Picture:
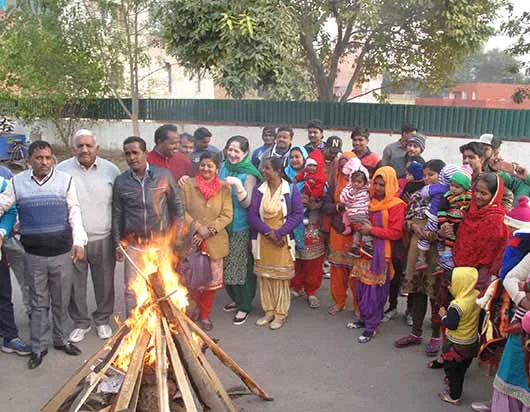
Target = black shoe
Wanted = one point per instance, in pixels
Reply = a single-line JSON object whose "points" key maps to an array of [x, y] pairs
{"points": [[35, 359], [69, 349]]}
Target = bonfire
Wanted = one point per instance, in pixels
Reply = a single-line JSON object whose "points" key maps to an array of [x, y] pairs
{"points": [[155, 360]]}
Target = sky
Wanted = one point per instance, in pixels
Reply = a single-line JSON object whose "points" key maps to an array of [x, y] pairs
{"points": [[503, 42]]}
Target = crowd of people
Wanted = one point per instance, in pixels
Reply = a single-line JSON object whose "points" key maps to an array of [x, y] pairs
{"points": [[283, 217]]}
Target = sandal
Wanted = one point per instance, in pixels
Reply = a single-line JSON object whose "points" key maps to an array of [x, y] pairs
{"points": [[435, 364], [297, 293], [444, 396], [334, 310], [433, 347], [313, 302]]}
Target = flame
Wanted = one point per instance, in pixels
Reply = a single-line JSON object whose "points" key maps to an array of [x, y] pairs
{"points": [[158, 256]]}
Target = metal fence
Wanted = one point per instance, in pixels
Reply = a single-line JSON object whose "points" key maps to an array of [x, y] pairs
{"points": [[450, 121]]}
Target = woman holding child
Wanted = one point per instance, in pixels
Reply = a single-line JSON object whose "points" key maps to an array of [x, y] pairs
{"points": [[373, 275]]}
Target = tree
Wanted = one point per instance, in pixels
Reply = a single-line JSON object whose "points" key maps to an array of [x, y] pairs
{"points": [[277, 43], [45, 70], [518, 28], [493, 66], [118, 34]]}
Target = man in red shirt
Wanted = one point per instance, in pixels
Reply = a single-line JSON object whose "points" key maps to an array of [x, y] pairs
{"points": [[166, 152]]}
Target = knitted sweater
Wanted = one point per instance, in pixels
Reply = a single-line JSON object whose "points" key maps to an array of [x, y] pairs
{"points": [[356, 201]]}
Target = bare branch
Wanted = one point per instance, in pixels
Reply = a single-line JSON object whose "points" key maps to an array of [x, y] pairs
{"points": [[355, 75]]}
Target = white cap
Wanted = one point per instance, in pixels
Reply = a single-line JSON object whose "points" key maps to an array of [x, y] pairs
{"points": [[486, 138], [311, 162]]}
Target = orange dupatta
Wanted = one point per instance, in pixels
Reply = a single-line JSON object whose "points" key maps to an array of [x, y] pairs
{"points": [[390, 200]]}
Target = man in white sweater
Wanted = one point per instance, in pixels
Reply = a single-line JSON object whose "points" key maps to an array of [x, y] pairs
{"points": [[94, 178]]}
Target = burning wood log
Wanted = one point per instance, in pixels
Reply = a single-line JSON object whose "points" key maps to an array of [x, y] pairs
{"points": [[227, 360], [180, 375], [132, 367], [136, 363]]}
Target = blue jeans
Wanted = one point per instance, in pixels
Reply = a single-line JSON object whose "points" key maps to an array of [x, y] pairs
{"points": [[8, 329]]}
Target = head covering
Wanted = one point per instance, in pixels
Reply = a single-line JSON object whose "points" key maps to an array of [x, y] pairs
{"points": [[416, 170], [317, 188], [289, 171], [354, 165], [486, 138], [519, 216], [436, 165], [481, 234], [340, 179], [391, 190], [463, 178], [310, 162], [447, 173], [245, 166], [334, 142], [419, 139]]}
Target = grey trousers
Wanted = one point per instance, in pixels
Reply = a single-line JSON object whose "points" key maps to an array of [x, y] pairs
{"points": [[15, 257], [99, 257], [130, 273], [49, 280]]}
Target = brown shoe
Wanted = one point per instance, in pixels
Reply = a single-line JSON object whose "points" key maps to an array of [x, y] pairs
{"points": [[409, 340]]}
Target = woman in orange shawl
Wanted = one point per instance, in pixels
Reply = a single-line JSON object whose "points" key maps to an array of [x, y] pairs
{"points": [[373, 275], [339, 245]]}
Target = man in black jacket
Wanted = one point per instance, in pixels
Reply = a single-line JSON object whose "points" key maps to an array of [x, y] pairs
{"points": [[146, 203]]}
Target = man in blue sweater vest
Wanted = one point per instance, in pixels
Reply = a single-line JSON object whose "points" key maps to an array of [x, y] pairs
{"points": [[53, 237]]}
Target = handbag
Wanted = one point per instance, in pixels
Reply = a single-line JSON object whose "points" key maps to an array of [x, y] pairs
{"points": [[195, 270]]}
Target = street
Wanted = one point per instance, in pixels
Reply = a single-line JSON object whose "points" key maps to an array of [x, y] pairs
{"points": [[313, 363]]}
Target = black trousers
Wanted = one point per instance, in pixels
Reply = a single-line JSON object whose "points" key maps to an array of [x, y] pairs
{"points": [[455, 372]]}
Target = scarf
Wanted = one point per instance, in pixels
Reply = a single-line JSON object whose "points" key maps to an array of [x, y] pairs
{"points": [[245, 166], [289, 171], [272, 202], [208, 189], [482, 234], [380, 208], [340, 179]]}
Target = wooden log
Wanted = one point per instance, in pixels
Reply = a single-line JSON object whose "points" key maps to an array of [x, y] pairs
{"points": [[201, 381], [226, 359], [180, 375], [205, 364], [136, 392], [62, 394], [136, 363], [161, 369]]}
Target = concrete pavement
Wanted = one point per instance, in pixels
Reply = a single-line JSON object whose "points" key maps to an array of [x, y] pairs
{"points": [[313, 363]]}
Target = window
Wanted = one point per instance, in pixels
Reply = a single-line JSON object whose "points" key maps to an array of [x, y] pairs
{"points": [[451, 95], [473, 95], [464, 95]]}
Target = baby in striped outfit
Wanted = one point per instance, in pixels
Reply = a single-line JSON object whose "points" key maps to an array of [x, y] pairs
{"points": [[356, 199]]}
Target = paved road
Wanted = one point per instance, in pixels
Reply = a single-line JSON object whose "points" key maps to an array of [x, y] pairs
{"points": [[312, 364]]}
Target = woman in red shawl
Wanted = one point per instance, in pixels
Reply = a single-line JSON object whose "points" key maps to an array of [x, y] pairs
{"points": [[339, 245], [482, 236]]}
